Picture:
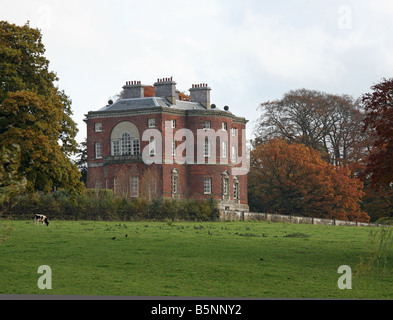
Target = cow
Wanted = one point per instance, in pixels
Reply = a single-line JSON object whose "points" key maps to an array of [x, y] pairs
{"points": [[40, 218]]}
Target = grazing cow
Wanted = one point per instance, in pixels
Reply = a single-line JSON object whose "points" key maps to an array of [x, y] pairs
{"points": [[40, 218]]}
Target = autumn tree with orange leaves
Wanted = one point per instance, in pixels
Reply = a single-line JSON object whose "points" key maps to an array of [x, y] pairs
{"points": [[292, 179]]}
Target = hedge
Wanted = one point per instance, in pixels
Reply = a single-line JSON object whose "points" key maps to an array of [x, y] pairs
{"points": [[102, 205]]}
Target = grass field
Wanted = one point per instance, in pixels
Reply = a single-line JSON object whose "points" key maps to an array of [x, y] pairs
{"points": [[184, 259]]}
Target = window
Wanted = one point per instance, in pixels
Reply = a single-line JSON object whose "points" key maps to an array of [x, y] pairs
{"points": [[233, 131], [225, 186], [116, 148], [126, 146], [224, 126], [115, 186], [134, 186], [234, 154], [206, 149], [173, 147], [98, 147], [173, 124], [98, 127], [207, 186], [135, 147], [206, 125], [175, 185], [236, 194], [224, 151], [151, 123], [152, 146]]}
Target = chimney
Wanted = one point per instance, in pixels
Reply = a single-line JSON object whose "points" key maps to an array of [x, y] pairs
{"points": [[166, 88], [201, 93], [133, 89]]}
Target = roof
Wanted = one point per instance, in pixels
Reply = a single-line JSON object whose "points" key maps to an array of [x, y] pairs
{"points": [[150, 102]]}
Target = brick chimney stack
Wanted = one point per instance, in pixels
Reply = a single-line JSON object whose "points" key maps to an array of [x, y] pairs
{"points": [[133, 89], [201, 93], [166, 88]]}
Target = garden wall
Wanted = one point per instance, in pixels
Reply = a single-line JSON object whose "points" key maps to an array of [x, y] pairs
{"points": [[248, 216]]}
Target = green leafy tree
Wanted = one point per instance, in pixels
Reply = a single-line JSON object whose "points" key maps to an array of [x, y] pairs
{"points": [[35, 115], [10, 182]]}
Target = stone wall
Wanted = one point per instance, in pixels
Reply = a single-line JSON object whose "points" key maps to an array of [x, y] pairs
{"points": [[253, 216]]}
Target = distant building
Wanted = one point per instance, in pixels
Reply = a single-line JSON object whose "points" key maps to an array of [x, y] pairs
{"points": [[167, 144]]}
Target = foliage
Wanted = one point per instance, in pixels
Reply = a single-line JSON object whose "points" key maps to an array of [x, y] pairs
{"points": [[328, 123], [379, 119], [102, 205], [81, 161], [377, 252], [378, 203], [10, 181], [293, 179], [34, 114]]}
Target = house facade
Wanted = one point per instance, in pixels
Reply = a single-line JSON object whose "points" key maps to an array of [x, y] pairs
{"points": [[162, 144]]}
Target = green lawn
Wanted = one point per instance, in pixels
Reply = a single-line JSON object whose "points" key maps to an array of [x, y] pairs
{"points": [[183, 259]]}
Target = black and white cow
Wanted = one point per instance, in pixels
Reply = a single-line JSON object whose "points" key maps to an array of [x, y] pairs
{"points": [[40, 218]]}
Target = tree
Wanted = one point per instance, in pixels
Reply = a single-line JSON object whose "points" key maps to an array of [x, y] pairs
{"points": [[379, 119], [293, 179], [150, 183], [328, 123], [10, 182], [81, 161], [34, 114]]}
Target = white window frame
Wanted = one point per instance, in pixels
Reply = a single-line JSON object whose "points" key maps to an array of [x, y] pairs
{"points": [[116, 148], [173, 147], [134, 187], [173, 124], [234, 153], [151, 123], [206, 148], [98, 150], [175, 185], [224, 149], [225, 186], [126, 144], [224, 126], [136, 147], [98, 127], [152, 146], [233, 132], [236, 195], [207, 186], [206, 125]]}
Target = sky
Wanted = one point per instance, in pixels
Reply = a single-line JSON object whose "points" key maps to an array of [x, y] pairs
{"points": [[247, 51]]}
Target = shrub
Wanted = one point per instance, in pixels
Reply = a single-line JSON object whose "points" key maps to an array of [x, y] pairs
{"points": [[102, 205]]}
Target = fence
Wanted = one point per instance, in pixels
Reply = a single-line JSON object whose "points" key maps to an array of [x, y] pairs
{"points": [[249, 216]]}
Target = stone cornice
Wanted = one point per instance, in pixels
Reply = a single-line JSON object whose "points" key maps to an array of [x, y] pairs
{"points": [[158, 110]]}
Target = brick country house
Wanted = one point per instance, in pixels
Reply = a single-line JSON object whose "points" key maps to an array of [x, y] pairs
{"points": [[157, 142]]}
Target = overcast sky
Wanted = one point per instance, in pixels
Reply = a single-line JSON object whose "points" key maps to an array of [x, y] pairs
{"points": [[247, 51]]}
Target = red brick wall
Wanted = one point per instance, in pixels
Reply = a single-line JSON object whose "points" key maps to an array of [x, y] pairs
{"points": [[196, 173]]}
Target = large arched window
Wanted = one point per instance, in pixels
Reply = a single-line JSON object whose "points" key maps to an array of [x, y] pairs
{"points": [[125, 139]]}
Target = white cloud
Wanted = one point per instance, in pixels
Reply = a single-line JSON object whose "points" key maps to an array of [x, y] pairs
{"points": [[246, 50]]}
